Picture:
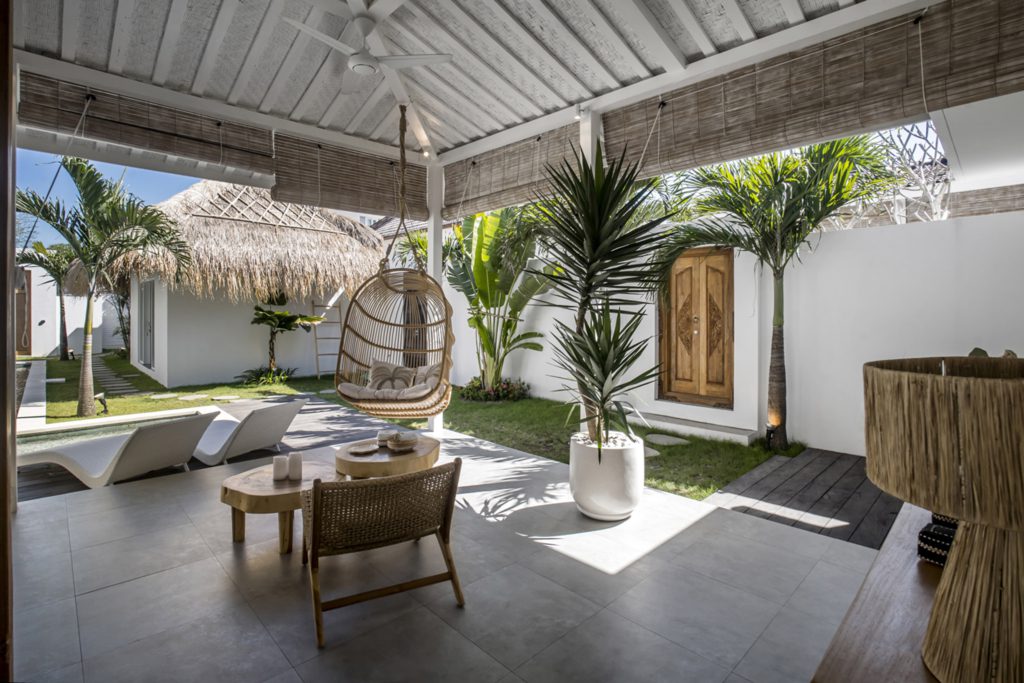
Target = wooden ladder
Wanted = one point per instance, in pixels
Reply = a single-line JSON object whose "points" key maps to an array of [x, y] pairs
{"points": [[328, 331]]}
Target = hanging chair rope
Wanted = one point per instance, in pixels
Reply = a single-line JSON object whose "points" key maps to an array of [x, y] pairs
{"points": [[395, 355]]}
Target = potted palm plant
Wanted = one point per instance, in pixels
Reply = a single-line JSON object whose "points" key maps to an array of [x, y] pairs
{"points": [[602, 231]]}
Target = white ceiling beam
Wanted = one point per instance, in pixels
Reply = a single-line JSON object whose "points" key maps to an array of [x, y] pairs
{"points": [[99, 150], [527, 42], [169, 41], [693, 26], [552, 20], [613, 38], [213, 43], [662, 45], [292, 58], [120, 36], [455, 119], [101, 80], [336, 7], [382, 9], [739, 21], [794, 13], [386, 125], [70, 16], [465, 104], [809, 33], [408, 35], [257, 48], [369, 104], [509, 57], [501, 84]]}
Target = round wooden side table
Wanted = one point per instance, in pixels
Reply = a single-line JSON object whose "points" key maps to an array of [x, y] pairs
{"points": [[256, 492], [385, 463]]}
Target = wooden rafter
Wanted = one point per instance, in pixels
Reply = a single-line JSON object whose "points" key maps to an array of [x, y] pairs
{"points": [[794, 13], [739, 21], [286, 72], [554, 21], [169, 41], [662, 46], [120, 36], [271, 19], [70, 15], [213, 44], [594, 14], [693, 26], [369, 104]]}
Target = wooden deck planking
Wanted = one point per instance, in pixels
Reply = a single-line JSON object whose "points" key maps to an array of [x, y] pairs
{"points": [[820, 491]]}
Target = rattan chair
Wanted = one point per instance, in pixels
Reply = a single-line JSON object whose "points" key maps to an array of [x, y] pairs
{"points": [[352, 516], [399, 316]]}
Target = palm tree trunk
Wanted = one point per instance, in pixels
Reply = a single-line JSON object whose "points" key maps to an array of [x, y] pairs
{"points": [[273, 358], [777, 375], [63, 326], [86, 401]]}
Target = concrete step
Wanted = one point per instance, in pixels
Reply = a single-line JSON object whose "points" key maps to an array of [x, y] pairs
{"points": [[706, 430]]}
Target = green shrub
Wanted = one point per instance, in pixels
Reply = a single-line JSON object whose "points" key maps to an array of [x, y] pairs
{"points": [[505, 390], [264, 376]]}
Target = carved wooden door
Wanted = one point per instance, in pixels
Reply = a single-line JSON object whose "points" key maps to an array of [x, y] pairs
{"points": [[696, 333]]}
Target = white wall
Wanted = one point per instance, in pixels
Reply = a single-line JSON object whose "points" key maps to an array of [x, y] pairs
{"points": [[45, 318], [159, 371], [111, 330], [201, 341], [867, 294], [897, 291]]}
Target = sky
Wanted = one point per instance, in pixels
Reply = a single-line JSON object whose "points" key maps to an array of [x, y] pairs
{"points": [[35, 170]]}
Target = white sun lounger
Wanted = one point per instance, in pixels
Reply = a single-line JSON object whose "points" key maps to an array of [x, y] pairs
{"points": [[229, 437], [110, 459]]}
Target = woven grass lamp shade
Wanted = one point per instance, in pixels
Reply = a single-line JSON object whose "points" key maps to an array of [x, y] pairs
{"points": [[947, 434], [399, 316]]}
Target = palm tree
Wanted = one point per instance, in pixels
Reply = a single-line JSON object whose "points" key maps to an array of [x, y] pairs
{"points": [[279, 322], [55, 261], [104, 226], [768, 206], [600, 240]]}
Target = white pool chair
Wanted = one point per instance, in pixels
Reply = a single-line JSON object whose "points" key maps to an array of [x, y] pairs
{"points": [[110, 459], [229, 437]]}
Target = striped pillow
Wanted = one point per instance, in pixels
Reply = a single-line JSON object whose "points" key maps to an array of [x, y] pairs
{"points": [[388, 376]]}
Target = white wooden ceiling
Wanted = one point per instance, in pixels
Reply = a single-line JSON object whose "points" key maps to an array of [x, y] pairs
{"points": [[515, 61]]}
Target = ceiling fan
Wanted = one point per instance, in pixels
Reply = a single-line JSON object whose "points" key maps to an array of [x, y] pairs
{"points": [[361, 63]]}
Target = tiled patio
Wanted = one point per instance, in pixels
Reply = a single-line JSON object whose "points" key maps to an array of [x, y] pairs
{"points": [[140, 581]]}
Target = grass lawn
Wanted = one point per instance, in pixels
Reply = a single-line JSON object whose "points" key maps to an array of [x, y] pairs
{"points": [[535, 425], [62, 398]]}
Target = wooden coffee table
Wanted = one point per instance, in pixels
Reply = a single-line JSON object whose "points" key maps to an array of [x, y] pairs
{"points": [[256, 492], [384, 463]]}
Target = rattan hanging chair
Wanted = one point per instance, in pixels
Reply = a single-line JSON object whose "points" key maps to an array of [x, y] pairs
{"points": [[395, 355]]}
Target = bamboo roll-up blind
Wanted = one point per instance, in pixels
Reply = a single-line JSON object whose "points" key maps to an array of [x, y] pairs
{"points": [[56, 105], [506, 176], [310, 173], [863, 81]]}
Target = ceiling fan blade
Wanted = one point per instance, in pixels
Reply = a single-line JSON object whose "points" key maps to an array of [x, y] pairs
{"points": [[322, 37], [406, 61]]}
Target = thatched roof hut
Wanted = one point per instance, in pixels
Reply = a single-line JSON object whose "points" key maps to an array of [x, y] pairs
{"points": [[245, 246]]}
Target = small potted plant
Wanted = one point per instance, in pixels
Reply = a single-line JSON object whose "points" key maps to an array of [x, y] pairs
{"points": [[602, 235]]}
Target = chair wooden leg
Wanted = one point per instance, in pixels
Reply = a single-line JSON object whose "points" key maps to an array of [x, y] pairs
{"points": [[318, 613], [285, 521], [446, 550], [305, 551]]}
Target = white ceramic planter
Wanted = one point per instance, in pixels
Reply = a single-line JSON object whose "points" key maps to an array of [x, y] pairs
{"points": [[609, 490]]}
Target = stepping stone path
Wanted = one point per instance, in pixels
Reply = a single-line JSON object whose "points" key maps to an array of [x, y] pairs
{"points": [[665, 440], [112, 383], [157, 397], [650, 452], [225, 398], [326, 391], [193, 397]]}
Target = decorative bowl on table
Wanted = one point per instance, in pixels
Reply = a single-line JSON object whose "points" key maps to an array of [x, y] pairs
{"points": [[366, 447], [403, 441]]}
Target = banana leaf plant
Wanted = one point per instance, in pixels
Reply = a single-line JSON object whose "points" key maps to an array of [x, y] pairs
{"points": [[488, 264]]}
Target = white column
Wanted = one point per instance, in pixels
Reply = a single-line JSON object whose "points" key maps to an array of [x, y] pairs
{"points": [[435, 239], [591, 132]]}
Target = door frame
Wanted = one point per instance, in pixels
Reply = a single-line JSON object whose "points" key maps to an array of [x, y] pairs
{"points": [[664, 355], [147, 317]]}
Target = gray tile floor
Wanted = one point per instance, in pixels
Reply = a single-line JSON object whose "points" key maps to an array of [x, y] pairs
{"points": [[140, 581]]}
